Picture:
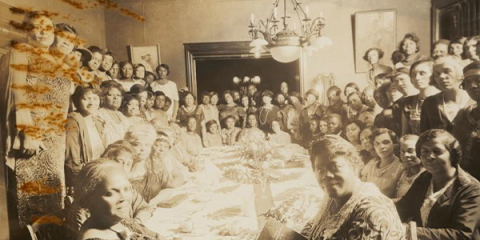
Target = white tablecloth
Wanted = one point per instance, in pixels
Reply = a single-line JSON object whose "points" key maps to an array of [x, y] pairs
{"points": [[217, 205]]}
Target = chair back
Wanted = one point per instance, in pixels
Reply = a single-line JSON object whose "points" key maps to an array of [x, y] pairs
{"points": [[49, 227]]}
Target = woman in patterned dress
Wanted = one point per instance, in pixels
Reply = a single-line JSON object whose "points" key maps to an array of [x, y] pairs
{"points": [[116, 124], [37, 99], [352, 209]]}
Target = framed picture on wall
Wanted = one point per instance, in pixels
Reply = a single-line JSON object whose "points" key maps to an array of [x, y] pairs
{"points": [[146, 54], [375, 29]]}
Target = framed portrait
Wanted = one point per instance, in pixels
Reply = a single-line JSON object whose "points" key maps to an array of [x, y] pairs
{"points": [[374, 29], [146, 54]]}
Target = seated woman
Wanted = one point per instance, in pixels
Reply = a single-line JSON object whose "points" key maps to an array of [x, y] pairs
{"points": [[352, 132], [103, 188], [142, 93], [386, 170], [211, 137], [116, 124], [355, 106], [205, 111], [411, 163], [368, 152], [147, 178], [352, 209], [193, 142], [444, 201], [278, 135], [157, 109], [314, 134], [131, 109], [251, 130], [85, 139], [230, 132], [123, 153], [385, 99]]}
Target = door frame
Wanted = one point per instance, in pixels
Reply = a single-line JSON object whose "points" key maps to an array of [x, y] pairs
{"points": [[224, 50]]}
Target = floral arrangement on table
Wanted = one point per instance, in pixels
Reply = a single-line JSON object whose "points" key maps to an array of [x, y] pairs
{"points": [[258, 157]]}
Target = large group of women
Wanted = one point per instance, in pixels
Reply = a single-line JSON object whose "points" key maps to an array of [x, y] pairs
{"points": [[108, 140]]}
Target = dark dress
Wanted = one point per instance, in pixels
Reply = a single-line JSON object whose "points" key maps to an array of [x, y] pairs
{"points": [[410, 113], [433, 115], [138, 231], [467, 131], [266, 116], [456, 213]]}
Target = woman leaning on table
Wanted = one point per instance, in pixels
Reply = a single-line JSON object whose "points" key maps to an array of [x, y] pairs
{"points": [[352, 209], [444, 201], [103, 188]]}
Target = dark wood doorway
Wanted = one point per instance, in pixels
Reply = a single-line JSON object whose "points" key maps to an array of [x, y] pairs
{"points": [[212, 66]]}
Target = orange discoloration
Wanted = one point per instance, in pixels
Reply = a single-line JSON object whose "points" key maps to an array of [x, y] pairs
{"points": [[39, 187], [48, 220], [108, 4]]}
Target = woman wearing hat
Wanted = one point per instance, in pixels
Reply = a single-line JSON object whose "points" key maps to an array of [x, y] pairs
{"points": [[268, 112], [467, 124]]}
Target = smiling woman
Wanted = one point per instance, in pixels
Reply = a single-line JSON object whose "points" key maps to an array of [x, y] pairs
{"points": [[352, 208]]}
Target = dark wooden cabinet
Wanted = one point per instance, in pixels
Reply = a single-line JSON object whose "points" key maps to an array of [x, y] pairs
{"points": [[455, 18]]}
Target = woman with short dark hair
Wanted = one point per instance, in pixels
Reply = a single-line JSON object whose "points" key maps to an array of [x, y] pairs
{"points": [[126, 75], [267, 112], [373, 56], [116, 124], [168, 87], [85, 132], [410, 45], [444, 201], [230, 108]]}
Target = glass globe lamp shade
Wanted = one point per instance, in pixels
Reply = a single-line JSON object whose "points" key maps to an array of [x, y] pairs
{"points": [[322, 42], [259, 42], [286, 54]]}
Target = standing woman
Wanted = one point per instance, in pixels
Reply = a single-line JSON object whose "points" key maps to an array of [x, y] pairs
{"points": [[187, 110], [116, 124], [444, 201], [34, 146], [268, 112], [168, 87], [373, 56], [126, 75], [230, 108], [420, 75], [409, 46], [467, 123], [313, 108], [439, 110]]}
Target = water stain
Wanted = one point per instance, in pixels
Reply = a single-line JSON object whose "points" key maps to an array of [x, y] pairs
{"points": [[48, 220], [39, 187]]}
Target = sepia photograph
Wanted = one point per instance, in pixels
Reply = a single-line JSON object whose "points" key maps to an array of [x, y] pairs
{"points": [[239, 119]]}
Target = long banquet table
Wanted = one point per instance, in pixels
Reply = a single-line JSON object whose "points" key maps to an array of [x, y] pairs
{"points": [[219, 208]]}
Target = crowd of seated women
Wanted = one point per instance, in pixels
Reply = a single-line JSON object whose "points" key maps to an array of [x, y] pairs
{"points": [[405, 149]]}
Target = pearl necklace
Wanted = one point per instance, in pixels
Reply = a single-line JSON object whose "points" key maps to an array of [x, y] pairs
{"points": [[260, 115]]}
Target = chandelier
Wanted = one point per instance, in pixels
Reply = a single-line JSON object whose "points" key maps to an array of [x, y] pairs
{"points": [[287, 45]]}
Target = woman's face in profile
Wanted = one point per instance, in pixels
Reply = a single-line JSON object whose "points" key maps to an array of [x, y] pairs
{"points": [[112, 199], [335, 175], [41, 33]]}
